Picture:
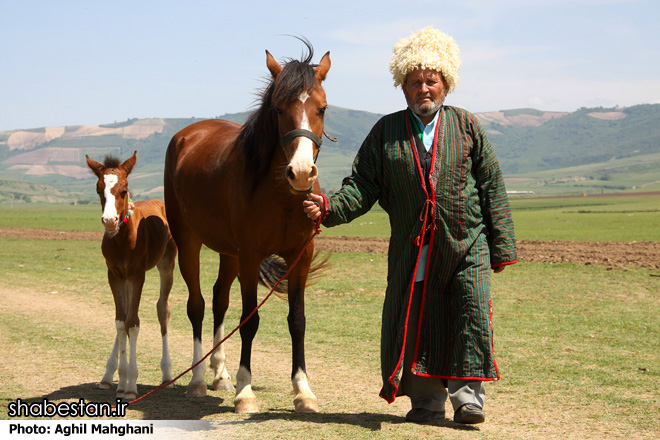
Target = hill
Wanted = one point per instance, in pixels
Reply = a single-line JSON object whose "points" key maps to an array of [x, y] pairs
{"points": [[590, 150]]}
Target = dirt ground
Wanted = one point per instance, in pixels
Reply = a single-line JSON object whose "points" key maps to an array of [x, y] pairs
{"points": [[611, 254]]}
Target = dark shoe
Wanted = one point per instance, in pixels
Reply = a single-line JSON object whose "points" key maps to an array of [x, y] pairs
{"points": [[469, 414], [423, 415]]}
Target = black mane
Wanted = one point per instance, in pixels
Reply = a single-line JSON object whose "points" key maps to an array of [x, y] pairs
{"points": [[110, 161], [259, 136]]}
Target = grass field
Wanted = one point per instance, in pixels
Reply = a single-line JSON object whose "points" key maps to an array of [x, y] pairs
{"points": [[629, 218], [577, 346]]}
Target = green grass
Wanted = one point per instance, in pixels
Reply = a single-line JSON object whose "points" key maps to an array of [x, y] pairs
{"points": [[587, 218], [630, 218], [576, 346], [52, 216]]}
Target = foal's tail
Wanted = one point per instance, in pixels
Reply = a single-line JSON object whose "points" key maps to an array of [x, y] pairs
{"points": [[274, 268]]}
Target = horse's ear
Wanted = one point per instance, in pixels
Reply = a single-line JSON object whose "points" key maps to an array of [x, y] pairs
{"points": [[129, 164], [273, 65], [323, 67], [96, 167]]}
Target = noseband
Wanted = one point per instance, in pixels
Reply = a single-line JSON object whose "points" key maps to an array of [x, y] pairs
{"points": [[301, 132]]}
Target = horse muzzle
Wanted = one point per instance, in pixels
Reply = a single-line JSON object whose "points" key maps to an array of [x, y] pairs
{"points": [[111, 225]]}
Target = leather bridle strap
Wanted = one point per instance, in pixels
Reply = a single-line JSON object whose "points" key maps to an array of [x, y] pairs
{"points": [[298, 133]]}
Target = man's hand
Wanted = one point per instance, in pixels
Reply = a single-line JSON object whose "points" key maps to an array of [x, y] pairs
{"points": [[498, 269], [314, 206]]}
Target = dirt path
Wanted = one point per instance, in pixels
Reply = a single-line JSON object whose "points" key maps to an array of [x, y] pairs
{"points": [[611, 254]]}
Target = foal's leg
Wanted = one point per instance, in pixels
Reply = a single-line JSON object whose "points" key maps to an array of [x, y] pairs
{"points": [[189, 249], [166, 271], [245, 400], [226, 274], [111, 365], [118, 288], [133, 330], [304, 400]]}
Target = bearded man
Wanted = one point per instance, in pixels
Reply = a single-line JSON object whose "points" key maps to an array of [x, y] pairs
{"points": [[433, 170]]}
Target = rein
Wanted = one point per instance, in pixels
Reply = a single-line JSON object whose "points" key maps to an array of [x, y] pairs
{"points": [[317, 231]]}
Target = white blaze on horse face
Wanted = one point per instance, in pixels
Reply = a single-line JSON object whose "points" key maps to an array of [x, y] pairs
{"points": [[302, 161], [110, 217]]}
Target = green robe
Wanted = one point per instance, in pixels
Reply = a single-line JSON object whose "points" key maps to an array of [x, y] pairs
{"points": [[471, 230]]}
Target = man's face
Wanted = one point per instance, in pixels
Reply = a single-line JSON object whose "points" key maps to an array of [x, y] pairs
{"points": [[425, 91]]}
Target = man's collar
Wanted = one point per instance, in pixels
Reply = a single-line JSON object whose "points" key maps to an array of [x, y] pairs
{"points": [[419, 120]]}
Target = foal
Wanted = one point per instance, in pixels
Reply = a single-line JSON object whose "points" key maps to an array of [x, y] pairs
{"points": [[137, 238]]}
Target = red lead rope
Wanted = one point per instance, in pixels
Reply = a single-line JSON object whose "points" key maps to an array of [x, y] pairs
{"points": [[317, 231]]}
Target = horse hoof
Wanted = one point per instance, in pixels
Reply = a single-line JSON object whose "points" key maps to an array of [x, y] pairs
{"points": [[223, 384], [306, 405], [246, 406], [130, 396], [196, 389], [105, 386]]}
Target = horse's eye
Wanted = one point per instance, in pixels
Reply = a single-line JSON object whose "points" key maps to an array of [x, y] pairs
{"points": [[322, 111], [123, 193], [278, 111]]}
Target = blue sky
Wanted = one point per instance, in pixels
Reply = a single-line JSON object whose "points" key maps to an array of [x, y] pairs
{"points": [[93, 62]]}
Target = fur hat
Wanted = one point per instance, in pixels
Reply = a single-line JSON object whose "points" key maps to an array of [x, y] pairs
{"points": [[427, 48]]}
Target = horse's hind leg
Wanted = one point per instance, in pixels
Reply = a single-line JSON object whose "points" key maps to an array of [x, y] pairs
{"points": [[166, 271], [189, 248], [226, 275]]}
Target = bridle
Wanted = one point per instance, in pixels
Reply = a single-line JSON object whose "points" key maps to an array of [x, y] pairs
{"points": [[301, 132]]}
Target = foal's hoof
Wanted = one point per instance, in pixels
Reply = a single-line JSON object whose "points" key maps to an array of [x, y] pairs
{"points": [[223, 384], [105, 386], [307, 405], [129, 396], [246, 406], [197, 389]]}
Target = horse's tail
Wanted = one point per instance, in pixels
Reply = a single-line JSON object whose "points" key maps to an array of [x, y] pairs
{"points": [[274, 268]]}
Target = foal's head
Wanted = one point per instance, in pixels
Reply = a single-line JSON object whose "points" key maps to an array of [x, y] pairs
{"points": [[112, 188], [299, 101]]}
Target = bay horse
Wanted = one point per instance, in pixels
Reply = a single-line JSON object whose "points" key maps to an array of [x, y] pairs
{"points": [[239, 191], [136, 239]]}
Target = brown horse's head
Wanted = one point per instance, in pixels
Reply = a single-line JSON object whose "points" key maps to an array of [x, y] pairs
{"points": [[112, 188], [299, 101]]}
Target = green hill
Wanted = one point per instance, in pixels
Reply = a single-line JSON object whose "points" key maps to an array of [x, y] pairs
{"points": [[590, 150], [579, 138], [16, 192]]}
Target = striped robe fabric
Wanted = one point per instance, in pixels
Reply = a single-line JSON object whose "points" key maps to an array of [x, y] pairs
{"points": [[471, 230]]}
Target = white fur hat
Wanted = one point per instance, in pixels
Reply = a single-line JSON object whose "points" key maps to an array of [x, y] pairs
{"points": [[427, 48]]}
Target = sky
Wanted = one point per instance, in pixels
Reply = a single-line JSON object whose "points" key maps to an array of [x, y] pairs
{"points": [[98, 62]]}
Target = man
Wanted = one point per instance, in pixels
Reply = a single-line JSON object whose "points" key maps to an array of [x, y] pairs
{"points": [[435, 173]]}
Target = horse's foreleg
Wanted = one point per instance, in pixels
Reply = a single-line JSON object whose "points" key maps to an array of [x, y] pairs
{"points": [[122, 386], [166, 271], [111, 366], [189, 266], [304, 400], [245, 400], [118, 288], [226, 275], [134, 287]]}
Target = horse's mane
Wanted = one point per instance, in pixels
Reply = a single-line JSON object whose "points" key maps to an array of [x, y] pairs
{"points": [[259, 136], [110, 161]]}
